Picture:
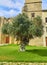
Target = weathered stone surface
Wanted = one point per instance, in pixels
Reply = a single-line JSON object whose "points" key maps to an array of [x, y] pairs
{"points": [[21, 63]]}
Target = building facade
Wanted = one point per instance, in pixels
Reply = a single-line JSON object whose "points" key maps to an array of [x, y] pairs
{"points": [[5, 38], [32, 8]]}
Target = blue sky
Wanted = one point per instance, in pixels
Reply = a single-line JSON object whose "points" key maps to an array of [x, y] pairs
{"points": [[44, 4], [10, 8]]}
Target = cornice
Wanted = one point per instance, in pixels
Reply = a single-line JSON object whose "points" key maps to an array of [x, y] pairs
{"points": [[34, 2], [34, 11]]}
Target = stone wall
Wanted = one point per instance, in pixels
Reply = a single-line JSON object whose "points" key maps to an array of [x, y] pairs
{"points": [[36, 42], [21, 63], [33, 6]]}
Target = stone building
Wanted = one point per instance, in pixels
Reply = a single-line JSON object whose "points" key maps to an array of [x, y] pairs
{"points": [[32, 8], [5, 38]]}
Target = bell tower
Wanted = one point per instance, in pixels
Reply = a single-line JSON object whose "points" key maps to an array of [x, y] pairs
{"points": [[33, 8]]}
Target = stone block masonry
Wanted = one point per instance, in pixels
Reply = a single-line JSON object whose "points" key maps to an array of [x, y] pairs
{"points": [[21, 63]]}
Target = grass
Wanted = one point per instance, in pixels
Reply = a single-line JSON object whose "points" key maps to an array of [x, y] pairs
{"points": [[32, 54]]}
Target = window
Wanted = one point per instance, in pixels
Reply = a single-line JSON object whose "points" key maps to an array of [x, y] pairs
{"points": [[33, 14], [46, 29], [46, 20]]}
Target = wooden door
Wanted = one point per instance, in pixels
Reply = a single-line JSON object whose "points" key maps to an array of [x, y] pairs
{"points": [[7, 39], [46, 41]]}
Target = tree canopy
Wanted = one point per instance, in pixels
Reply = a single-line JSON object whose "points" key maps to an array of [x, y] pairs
{"points": [[23, 28]]}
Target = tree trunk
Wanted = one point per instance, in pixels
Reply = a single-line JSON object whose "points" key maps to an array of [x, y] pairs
{"points": [[22, 47]]}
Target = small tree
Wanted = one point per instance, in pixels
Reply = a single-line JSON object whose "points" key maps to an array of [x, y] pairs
{"points": [[20, 30], [25, 29]]}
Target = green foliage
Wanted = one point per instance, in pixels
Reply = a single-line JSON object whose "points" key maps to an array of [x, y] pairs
{"points": [[23, 28], [6, 28], [37, 28], [38, 25]]}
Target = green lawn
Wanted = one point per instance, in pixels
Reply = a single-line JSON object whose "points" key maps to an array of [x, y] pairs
{"points": [[32, 54]]}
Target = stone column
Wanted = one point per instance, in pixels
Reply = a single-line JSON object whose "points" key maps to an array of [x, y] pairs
{"points": [[1, 35], [11, 40]]}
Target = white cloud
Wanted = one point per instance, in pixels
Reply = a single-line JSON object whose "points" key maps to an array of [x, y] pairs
{"points": [[9, 13], [12, 4], [7, 3]]}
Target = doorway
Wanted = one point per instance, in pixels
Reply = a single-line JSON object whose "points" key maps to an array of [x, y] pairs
{"points": [[7, 39]]}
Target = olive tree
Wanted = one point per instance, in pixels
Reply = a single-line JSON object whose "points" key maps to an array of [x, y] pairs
{"points": [[24, 29]]}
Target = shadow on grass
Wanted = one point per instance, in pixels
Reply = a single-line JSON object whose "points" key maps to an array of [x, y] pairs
{"points": [[41, 52]]}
